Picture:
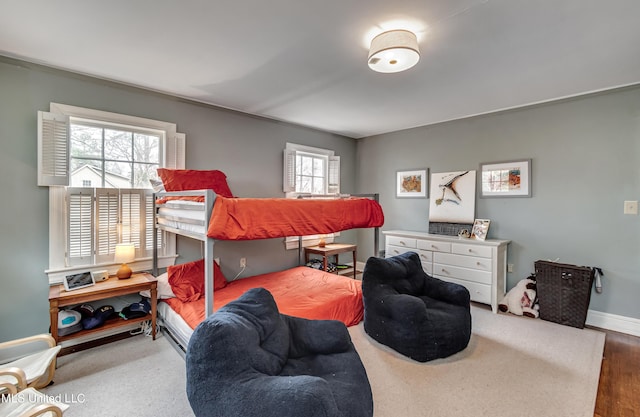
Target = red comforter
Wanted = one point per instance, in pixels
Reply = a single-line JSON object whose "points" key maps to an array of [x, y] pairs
{"points": [[300, 291], [263, 218]]}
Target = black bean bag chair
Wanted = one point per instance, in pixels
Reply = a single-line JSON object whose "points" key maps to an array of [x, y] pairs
{"points": [[248, 360], [420, 316]]}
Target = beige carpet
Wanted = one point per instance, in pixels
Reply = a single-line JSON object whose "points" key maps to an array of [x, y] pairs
{"points": [[513, 367]]}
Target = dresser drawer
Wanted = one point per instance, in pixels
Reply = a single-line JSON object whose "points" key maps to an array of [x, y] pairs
{"points": [[434, 245], [405, 242], [392, 250], [471, 262], [466, 274], [473, 250], [480, 293], [425, 255]]}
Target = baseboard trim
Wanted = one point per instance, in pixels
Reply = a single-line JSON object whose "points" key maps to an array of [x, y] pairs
{"points": [[621, 324]]}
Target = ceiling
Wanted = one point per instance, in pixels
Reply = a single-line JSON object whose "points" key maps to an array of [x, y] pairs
{"points": [[305, 62]]}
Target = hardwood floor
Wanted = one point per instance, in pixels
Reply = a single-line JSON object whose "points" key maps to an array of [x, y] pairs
{"points": [[619, 387]]}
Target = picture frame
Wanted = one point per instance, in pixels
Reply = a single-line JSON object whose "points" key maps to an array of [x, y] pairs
{"points": [[412, 183], [480, 229], [79, 280], [505, 179]]}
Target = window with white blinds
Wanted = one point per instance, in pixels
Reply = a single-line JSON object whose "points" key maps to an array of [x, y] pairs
{"points": [[118, 154]]}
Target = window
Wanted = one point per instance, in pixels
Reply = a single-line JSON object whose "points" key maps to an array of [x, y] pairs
{"points": [[104, 162], [310, 171]]}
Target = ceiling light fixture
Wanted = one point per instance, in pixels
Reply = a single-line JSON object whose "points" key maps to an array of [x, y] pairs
{"points": [[394, 51]]}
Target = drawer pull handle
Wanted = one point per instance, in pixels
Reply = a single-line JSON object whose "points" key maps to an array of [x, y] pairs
{"points": [[402, 243], [470, 250], [478, 264]]}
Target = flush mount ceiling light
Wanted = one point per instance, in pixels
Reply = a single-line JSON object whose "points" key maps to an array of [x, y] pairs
{"points": [[394, 51]]}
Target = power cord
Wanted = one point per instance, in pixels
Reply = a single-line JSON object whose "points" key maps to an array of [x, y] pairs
{"points": [[146, 329], [239, 273]]}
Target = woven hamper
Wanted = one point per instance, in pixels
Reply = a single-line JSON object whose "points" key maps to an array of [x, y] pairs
{"points": [[564, 292]]}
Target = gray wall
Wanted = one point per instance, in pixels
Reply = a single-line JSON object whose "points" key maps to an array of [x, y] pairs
{"points": [[248, 149], [586, 163]]}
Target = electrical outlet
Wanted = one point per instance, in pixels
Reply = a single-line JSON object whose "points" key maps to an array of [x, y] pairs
{"points": [[509, 267], [630, 207], [243, 262]]}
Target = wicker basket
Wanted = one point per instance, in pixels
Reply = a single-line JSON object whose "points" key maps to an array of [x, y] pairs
{"points": [[564, 292]]}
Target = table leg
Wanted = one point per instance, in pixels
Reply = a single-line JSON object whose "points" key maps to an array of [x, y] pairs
{"points": [[53, 316], [154, 310]]}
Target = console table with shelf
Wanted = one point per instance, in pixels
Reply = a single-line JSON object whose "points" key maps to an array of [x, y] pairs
{"points": [[478, 265], [112, 287]]}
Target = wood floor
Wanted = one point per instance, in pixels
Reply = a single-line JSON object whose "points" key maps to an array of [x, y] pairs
{"points": [[619, 387]]}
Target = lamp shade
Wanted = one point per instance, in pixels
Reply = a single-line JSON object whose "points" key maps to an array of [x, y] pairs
{"points": [[125, 252], [394, 51]]}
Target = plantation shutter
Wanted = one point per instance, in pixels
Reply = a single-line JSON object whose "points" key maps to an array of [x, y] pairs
{"points": [[107, 206], [333, 186], [148, 226], [53, 149], [80, 236], [175, 151], [289, 172]]}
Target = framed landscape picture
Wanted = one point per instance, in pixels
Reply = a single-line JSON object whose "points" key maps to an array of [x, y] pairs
{"points": [[412, 183]]}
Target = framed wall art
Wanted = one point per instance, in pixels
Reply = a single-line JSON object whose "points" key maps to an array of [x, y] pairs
{"points": [[452, 202], [412, 183], [506, 179]]}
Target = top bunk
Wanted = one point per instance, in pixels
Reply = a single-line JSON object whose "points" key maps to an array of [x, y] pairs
{"points": [[203, 214], [199, 204]]}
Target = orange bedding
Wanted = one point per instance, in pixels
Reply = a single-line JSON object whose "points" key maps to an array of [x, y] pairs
{"points": [[300, 291], [263, 218]]}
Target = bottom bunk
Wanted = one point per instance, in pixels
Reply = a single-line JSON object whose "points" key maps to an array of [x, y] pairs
{"points": [[300, 291]]}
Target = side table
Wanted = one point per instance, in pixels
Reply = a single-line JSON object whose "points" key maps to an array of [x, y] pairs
{"points": [[331, 249]]}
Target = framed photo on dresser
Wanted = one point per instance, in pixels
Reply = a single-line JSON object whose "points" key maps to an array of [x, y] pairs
{"points": [[480, 229]]}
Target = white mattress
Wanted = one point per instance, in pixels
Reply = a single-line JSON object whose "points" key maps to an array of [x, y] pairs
{"points": [[192, 228], [176, 325], [172, 209]]}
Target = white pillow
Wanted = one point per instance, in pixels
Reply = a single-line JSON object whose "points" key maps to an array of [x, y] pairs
{"points": [[164, 289]]}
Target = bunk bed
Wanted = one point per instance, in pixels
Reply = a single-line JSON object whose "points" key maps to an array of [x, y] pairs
{"points": [[208, 217]]}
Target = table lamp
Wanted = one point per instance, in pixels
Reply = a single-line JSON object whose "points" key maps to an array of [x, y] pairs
{"points": [[125, 252]]}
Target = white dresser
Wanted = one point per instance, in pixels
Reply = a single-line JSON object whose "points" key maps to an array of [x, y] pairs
{"points": [[481, 266]]}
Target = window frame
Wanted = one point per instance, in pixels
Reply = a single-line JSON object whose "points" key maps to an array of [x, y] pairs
{"points": [[172, 155]]}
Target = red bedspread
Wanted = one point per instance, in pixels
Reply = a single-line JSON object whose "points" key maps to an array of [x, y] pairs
{"points": [[263, 218], [300, 291]]}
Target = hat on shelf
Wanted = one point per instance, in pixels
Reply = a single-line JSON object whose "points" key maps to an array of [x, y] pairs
{"points": [[69, 321]]}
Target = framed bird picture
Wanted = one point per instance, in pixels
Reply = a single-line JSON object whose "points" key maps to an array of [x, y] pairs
{"points": [[453, 197]]}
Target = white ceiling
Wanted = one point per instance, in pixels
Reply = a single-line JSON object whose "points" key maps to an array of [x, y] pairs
{"points": [[305, 62]]}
